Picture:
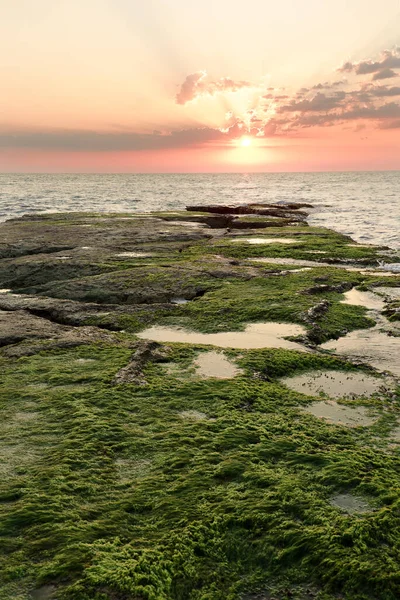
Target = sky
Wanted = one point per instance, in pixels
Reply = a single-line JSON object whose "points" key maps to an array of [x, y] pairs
{"points": [[199, 85]]}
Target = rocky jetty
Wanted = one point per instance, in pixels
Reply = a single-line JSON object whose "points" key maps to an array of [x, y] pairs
{"points": [[129, 472]]}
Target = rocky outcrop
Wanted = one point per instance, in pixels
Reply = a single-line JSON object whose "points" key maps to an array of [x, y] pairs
{"points": [[324, 288], [133, 372], [37, 334], [272, 210]]}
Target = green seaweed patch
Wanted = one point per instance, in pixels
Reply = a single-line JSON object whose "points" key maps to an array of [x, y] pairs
{"points": [[210, 508]]}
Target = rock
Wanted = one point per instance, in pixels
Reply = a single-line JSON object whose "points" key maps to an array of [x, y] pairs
{"points": [[133, 372], [323, 288], [70, 312], [21, 326], [317, 311], [272, 210]]}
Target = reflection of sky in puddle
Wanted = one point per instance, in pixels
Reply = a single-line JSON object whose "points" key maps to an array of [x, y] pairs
{"points": [[134, 254], [392, 292], [215, 364], [372, 346], [350, 504], [266, 240], [193, 415], [256, 335], [366, 299], [335, 413], [335, 384]]}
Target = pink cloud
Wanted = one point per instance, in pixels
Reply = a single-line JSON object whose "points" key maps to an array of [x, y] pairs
{"points": [[198, 84]]}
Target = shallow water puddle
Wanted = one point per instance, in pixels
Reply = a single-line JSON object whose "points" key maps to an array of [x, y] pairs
{"points": [[335, 384], [366, 299], [193, 415], [395, 434], [254, 240], [311, 263], [372, 346], [359, 245], [134, 254], [215, 364], [256, 335], [84, 361], [391, 292], [371, 272], [22, 417], [129, 469], [44, 593], [335, 413], [351, 504], [291, 261]]}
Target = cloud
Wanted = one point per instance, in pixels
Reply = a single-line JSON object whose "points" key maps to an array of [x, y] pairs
{"points": [[275, 111], [198, 84], [189, 88], [92, 141], [390, 59], [319, 102], [388, 111], [395, 124], [327, 85], [384, 74], [383, 91]]}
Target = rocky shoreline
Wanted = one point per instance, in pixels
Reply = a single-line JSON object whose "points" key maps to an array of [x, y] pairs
{"points": [[154, 447]]}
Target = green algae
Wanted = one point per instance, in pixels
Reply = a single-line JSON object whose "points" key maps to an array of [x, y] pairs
{"points": [[188, 488], [210, 506]]}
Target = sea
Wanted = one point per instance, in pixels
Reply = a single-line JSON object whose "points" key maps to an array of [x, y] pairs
{"points": [[364, 205]]}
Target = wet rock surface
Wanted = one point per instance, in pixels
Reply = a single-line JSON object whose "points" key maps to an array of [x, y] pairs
{"points": [[133, 372], [291, 211], [168, 466]]}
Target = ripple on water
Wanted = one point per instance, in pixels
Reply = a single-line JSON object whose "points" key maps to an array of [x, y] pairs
{"points": [[256, 335]]}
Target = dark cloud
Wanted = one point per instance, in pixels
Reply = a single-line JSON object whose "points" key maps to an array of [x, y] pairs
{"points": [[329, 85], [276, 97], [390, 59], [197, 84], [383, 91], [395, 124], [388, 111], [92, 141], [319, 102], [384, 74]]}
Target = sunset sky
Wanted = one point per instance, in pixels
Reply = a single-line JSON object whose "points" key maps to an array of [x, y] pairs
{"points": [[199, 85]]}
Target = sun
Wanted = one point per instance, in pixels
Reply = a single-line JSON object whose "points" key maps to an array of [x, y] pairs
{"points": [[245, 142]]}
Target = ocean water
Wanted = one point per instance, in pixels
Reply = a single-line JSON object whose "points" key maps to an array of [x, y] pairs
{"points": [[364, 205]]}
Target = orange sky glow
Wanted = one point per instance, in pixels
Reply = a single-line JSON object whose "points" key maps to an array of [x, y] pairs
{"points": [[183, 86]]}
